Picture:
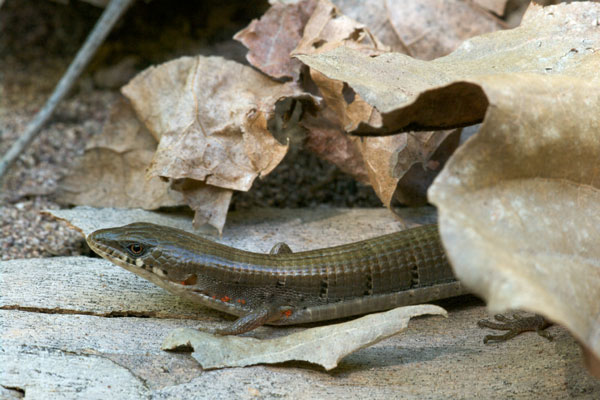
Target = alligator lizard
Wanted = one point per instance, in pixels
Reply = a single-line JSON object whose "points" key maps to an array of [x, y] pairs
{"points": [[281, 288]]}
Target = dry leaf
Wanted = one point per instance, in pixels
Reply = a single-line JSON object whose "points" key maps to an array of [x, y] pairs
{"points": [[348, 106], [211, 117], [328, 28], [411, 94], [425, 29], [519, 202], [210, 203], [434, 28], [415, 176], [325, 345], [112, 171], [386, 159], [271, 39], [204, 111], [327, 139], [374, 14], [401, 167]]}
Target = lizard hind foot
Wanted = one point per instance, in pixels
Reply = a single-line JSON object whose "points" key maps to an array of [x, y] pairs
{"points": [[515, 326]]}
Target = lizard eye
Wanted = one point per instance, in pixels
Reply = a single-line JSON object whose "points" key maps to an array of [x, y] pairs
{"points": [[135, 248]]}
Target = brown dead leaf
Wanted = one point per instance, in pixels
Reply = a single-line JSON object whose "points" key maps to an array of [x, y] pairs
{"points": [[205, 110], [416, 170], [519, 202], [592, 362], [377, 153], [112, 171], [410, 94], [434, 28], [325, 345], [328, 28], [271, 39], [348, 106], [399, 166], [211, 117], [424, 29], [327, 139], [123, 131], [210, 203], [374, 14]]}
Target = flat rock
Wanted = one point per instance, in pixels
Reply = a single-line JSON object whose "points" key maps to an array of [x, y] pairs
{"points": [[79, 327]]}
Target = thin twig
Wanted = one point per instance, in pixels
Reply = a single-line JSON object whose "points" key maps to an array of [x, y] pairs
{"points": [[104, 25]]}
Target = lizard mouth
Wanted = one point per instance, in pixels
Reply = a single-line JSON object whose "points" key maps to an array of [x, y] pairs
{"points": [[137, 266], [115, 256]]}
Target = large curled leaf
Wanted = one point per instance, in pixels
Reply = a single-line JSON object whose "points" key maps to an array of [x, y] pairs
{"points": [[519, 203], [386, 161], [204, 110], [399, 167], [410, 94], [210, 116]]}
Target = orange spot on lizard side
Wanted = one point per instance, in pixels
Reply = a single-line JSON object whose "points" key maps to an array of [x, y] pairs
{"points": [[225, 299], [287, 313]]}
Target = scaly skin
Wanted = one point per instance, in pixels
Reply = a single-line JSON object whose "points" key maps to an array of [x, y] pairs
{"points": [[403, 268]]}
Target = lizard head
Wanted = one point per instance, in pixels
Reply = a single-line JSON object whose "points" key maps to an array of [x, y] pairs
{"points": [[152, 251], [129, 244]]}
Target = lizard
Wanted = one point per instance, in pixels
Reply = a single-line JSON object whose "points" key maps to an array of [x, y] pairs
{"points": [[284, 288]]}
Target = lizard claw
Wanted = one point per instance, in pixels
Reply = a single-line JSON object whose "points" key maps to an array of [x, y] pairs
{"points": [[518, 324]]}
